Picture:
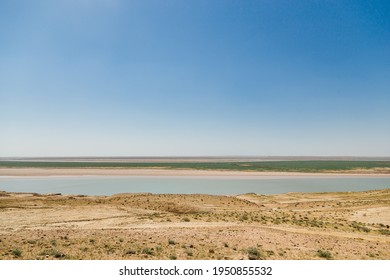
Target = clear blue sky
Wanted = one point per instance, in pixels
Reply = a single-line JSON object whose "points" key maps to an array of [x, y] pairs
{"points": [[193, 78]]}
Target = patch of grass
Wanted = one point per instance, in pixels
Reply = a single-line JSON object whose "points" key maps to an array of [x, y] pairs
{"points": [[324, 254], [244, 217], [254, 254], [52, 252], [281, 253], [189, 253], [159, 249], [360, 227], [384, 231], [131, 252], [147, 251], [84, 249], [270, 253], [171, 242], [17, 253]]}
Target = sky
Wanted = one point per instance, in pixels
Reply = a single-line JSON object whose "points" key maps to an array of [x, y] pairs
{"points": [[194, 78]]}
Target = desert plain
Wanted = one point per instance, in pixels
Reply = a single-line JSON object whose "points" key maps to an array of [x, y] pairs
{"points": [[334, 225]]}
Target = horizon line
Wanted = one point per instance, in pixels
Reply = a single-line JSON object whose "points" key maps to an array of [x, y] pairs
{"points": [[226, 157]]}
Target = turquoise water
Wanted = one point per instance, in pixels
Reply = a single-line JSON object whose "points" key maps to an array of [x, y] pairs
{"points": [[108, 185]]}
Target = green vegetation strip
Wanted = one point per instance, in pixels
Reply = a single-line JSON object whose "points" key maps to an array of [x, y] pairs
{"points": [[284, 166]]}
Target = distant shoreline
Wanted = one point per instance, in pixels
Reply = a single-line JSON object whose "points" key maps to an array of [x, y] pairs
{"points": [[177, 172], [184, 159], [196, 167]]}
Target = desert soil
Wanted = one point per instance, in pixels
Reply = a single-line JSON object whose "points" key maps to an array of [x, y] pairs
{"points": [[351, 225]]}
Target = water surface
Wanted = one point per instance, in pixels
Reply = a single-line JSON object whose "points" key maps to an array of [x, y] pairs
{"points": [[108, 185]]}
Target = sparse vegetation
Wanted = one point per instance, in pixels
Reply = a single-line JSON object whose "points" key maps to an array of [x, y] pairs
{"points": [[324, 254], [248, 226], [384, 231], [17, 253], [189, 253], [52, 253], [360, 227], [147, 251], [279, 166], [254, 254]]}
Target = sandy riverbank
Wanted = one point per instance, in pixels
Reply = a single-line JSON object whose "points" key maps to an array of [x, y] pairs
{"points": [[174, 172]]}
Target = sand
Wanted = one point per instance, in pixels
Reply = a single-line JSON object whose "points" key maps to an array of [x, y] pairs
{"points": [[351, 225]]}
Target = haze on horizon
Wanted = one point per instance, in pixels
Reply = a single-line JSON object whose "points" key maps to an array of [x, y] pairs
{"points": [[194, 78]]}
